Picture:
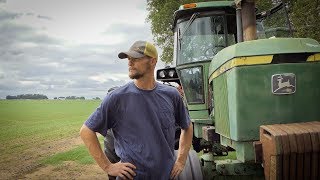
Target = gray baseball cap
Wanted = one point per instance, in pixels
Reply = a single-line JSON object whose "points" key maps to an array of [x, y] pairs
{"points": [[140, 49]]}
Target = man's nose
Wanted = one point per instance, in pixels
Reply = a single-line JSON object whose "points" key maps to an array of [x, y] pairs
{"points": [[130, 63]]}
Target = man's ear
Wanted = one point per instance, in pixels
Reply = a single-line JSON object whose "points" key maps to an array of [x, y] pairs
{"points": [[154, 61]]}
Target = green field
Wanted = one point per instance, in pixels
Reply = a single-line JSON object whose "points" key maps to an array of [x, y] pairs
{"points": [[32, 129], [38, 133]]}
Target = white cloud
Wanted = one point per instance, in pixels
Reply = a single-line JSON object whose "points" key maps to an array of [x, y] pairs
{"points": [[78, 21], [62, 48], [104, 77]]}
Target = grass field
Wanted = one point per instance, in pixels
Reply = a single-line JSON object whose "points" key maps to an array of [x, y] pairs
{"points": [[39, 139], [34, 133]]}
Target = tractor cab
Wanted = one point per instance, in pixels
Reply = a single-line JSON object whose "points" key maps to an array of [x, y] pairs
{"points": [[201, 30]]}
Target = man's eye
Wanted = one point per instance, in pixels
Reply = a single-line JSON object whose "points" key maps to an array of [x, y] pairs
{"points": [[135, 59]]}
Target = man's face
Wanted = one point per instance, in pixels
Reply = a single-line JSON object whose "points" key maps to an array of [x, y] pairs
{"points": [[139, 67]]}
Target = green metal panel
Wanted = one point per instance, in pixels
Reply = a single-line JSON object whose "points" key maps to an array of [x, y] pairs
{"points": [[200, 119], [252, 103], [264, 47], [199, 114], [244, 149], [197, 106], [197, 129], [221, 109]]}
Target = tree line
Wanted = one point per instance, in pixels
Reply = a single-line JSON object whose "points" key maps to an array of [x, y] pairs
{"points": [[71, 98], [41, 96], [27, 96]]}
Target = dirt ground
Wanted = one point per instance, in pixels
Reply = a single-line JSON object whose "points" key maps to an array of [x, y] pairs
{"points": [[29, 168], [69, 170]]}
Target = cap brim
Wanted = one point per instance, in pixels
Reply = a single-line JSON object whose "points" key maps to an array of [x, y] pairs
{"points": [[134, 54]]}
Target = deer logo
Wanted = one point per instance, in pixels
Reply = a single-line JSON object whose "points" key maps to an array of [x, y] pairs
{"points": [[283, 83]]}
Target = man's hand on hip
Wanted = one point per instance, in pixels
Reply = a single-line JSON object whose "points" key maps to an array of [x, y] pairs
{"points": [[122, 170]]}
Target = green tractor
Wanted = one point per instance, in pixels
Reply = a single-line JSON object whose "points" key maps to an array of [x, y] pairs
{"points": [[252, 91]]}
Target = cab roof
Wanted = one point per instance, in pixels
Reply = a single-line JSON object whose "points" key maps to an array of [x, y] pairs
{"points": [[201, 7]]}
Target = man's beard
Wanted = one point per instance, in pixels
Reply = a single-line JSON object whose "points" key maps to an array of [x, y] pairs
{"points": [[139, 75], [136, 76]]}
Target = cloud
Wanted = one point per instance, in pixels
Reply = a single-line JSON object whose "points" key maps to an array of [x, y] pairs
{"points": [[12, 34], [44, 17], [68, 51], [5, 15], [130, 32], [2, 76]]}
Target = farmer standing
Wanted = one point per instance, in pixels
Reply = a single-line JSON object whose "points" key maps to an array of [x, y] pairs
{"points": [[142, 115]]}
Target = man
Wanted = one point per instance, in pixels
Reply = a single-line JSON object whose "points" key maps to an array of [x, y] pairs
{"points": [[142, 115]]}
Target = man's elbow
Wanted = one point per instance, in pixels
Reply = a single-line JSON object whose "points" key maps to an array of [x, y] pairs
{"points": [[84, 131], [190, 128], [188, 132]]}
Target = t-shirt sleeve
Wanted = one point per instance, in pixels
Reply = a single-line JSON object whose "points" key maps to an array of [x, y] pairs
{"points": [[101, 120], [182, 114]]}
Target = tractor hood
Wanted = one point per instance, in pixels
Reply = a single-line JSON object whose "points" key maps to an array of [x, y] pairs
{"points": [[266, 48]]}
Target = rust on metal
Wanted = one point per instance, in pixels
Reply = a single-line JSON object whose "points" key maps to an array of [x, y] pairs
{"points": [[272, 151], [290, 151], [315, 145], [257, 146], [304, 149], [286, 153], [293, 152], [208, 133]]}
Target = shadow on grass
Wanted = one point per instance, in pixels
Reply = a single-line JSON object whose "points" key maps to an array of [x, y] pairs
{"points": [[79, 154]]}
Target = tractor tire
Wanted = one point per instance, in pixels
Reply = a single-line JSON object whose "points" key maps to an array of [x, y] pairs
{"points": [[192, 169]]}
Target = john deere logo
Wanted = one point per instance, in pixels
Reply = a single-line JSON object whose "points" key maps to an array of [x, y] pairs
{"points": [[283, 83]]}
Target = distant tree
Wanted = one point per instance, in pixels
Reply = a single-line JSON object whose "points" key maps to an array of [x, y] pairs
{"points": [[11, 97], [71, 97], [96, 98], [75, 98], [27, 96], [305, 17]]}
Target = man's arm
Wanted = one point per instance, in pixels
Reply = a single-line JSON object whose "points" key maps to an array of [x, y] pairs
{"points": [[184, 147], [123, 170]]}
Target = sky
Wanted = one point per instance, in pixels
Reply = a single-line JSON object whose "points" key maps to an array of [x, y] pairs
{"points": [[68, 47]]}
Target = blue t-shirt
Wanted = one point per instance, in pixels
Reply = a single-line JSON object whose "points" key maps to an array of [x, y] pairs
{"points": [[143, 123]]}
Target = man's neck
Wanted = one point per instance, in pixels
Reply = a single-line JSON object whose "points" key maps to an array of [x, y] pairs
{"points": [[145, 84]]}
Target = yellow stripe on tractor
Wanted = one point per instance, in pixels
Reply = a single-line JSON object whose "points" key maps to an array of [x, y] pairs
{"points": [[241, 61], [315, 57]]}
